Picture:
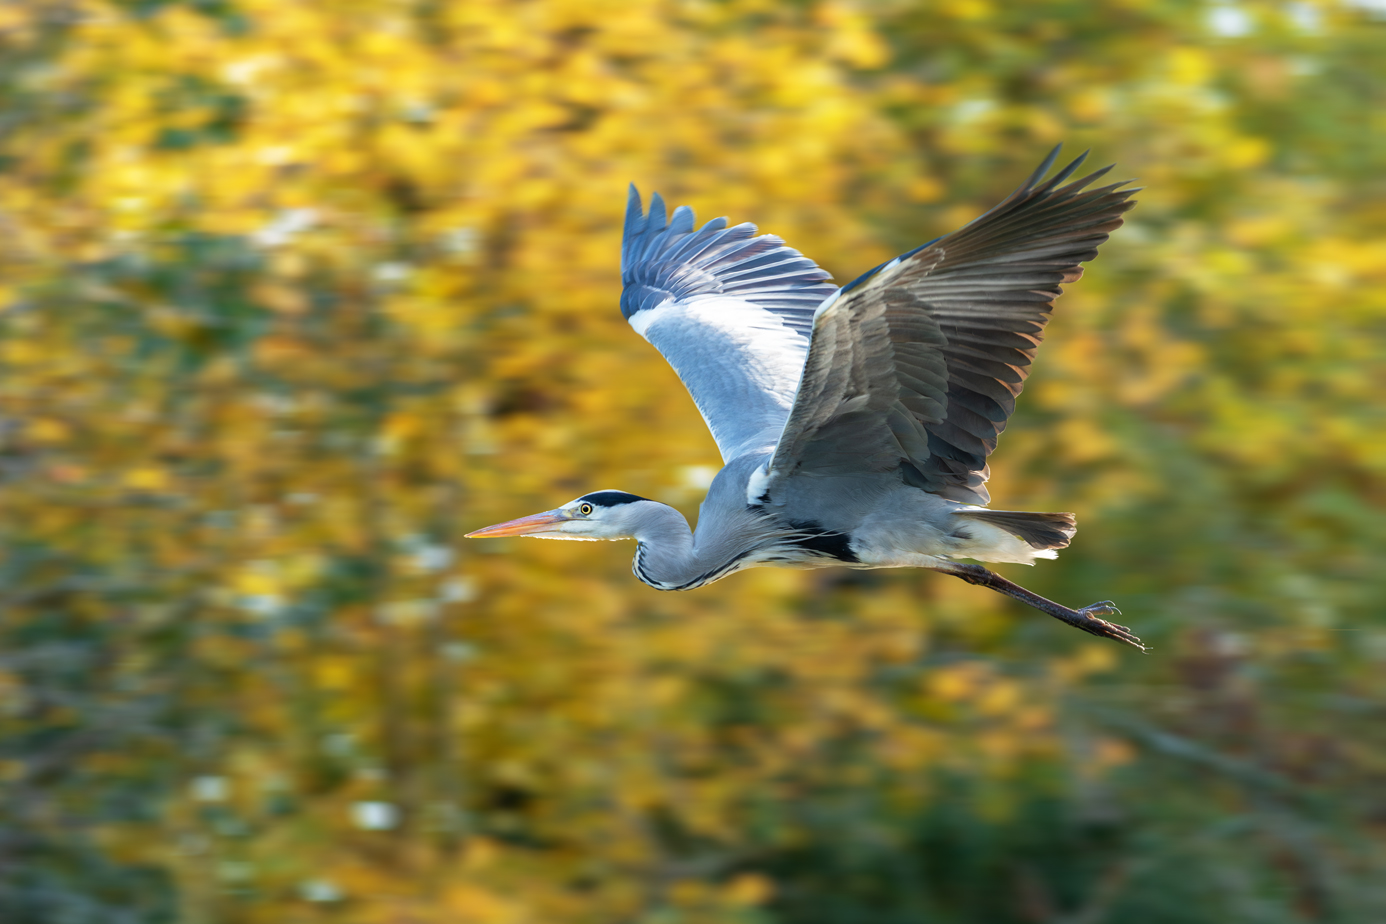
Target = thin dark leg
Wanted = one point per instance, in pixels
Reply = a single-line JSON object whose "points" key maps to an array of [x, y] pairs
{"points": [[1086, 619]]}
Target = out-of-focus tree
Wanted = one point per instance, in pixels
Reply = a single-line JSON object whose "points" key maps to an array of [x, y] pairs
{"points": [[294, 290]]}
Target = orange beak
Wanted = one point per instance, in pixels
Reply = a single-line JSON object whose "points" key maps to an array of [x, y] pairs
{"points": [[524, 526]]}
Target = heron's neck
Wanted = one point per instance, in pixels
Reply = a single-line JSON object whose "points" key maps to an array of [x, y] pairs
{"points": [[667, 557]]}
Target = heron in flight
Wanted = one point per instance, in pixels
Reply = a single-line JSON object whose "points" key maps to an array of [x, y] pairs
{"points": [[854, 423]]}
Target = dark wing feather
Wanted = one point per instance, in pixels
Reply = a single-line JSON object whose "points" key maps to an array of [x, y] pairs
{"points": [[667, 260], [918, 363]]}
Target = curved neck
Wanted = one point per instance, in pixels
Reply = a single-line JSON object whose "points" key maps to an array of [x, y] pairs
{"points": [[668, 557]]}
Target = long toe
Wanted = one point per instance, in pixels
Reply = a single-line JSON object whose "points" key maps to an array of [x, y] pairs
{"points": [[1093, 624], [1105, 608]]}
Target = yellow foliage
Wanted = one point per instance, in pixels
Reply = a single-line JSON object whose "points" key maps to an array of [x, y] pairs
{"points": [[146, 478], [321, 284]]}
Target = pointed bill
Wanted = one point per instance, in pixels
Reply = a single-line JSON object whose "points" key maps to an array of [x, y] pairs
{"points": [[524, 526]]}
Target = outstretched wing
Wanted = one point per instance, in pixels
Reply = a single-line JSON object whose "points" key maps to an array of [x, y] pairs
{"points": [[916, 365], [730, 311]]}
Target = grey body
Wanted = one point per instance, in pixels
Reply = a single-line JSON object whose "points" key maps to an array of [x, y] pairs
{"points": [[872, 521], [854, 423]]}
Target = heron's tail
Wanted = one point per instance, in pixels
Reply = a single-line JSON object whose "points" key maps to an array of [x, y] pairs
{"points": [[1040, 530]]}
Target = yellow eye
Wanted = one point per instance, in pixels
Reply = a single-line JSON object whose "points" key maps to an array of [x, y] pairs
{"points": [[585, 510]]}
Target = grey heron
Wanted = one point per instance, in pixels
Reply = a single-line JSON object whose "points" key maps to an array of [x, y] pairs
{"points": [[855, 423]]}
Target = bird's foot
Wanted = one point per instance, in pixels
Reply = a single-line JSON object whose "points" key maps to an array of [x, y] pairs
{"points": [[1089, 620]]}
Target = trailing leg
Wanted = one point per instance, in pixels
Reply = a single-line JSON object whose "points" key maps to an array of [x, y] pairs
{"points": [[1088, 618]]}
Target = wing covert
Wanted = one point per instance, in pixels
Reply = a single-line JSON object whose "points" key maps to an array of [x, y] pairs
{"points": [[917, 364], [729, 310]]}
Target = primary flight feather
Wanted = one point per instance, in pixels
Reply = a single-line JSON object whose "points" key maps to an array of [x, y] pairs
{"points": [[854, 423]]}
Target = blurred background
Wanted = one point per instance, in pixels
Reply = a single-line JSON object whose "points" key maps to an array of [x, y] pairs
{"points": [[293, 293]]}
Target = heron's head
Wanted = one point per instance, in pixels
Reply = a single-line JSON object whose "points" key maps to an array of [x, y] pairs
{"points": [[599, 515]]}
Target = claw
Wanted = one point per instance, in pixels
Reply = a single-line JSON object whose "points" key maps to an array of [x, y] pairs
{"points": [[1100, 627]]}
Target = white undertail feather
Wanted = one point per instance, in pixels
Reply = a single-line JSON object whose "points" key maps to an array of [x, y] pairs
{"points": [[991, 543]]}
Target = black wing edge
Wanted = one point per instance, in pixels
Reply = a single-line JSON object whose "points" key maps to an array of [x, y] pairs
{"points": [[1026, 189], [664, 258]]}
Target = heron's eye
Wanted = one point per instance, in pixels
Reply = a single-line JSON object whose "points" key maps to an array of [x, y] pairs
{"points": [[585, 510]]}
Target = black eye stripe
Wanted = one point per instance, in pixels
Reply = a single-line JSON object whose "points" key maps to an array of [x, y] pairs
{"points": [[610, 498]]}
